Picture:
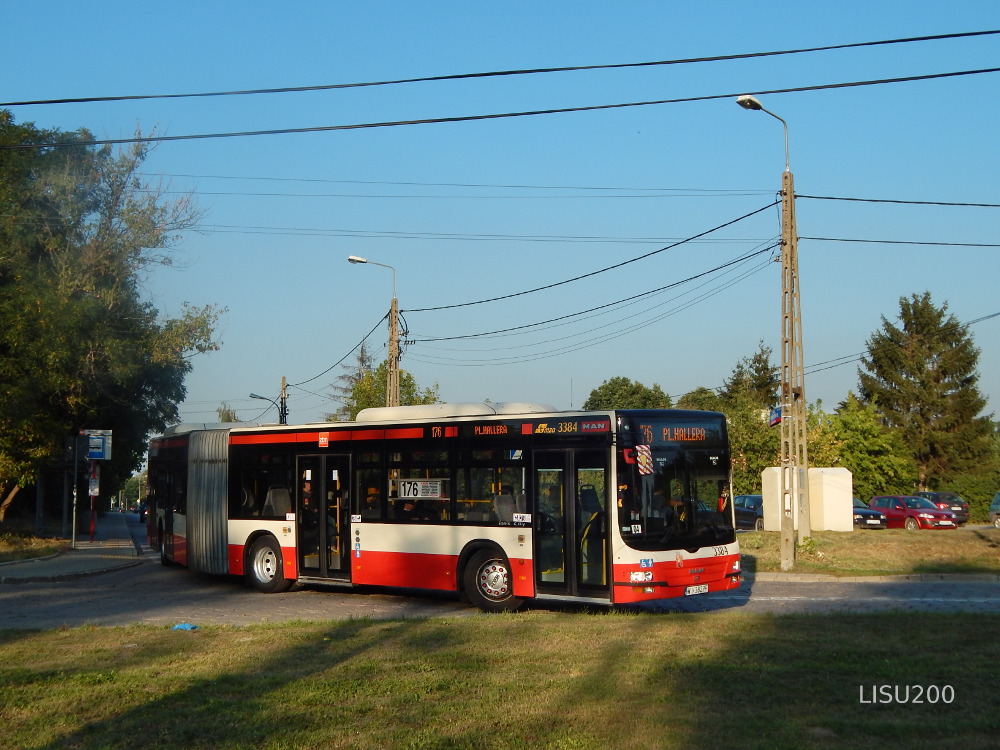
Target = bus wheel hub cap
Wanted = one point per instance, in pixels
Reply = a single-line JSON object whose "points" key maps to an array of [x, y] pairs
{"points": [[493, 580]]}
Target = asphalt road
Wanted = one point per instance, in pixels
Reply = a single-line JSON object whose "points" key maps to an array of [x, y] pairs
{"points": [[155, 595]]}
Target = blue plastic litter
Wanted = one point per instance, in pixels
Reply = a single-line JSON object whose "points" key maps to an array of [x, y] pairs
{"points": [[184, 626]]}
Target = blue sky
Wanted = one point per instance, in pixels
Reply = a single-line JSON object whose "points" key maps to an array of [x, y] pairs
{"points": [[469, 211]]}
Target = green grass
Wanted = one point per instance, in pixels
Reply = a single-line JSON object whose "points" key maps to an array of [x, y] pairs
{"points": [[532, 680]]}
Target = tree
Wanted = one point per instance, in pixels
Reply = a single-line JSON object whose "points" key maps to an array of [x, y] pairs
{"points": [[343, 387], [756, 377], [134, 488], [825, 446], [979, 485], [368, 391], [701, 399], [745, 399], [874, 453], [754, 445], [79, 347], [226, 413], [621, 393], [921, 379]]}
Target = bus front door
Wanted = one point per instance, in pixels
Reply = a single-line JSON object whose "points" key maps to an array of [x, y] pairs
{"points": [[570, 523], [321, 516]]}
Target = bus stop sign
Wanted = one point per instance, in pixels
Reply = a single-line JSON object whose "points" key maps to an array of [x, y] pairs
{"points": [[98, 444]]}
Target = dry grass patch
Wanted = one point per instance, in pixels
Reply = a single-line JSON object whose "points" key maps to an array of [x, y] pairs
{"points": [[16, 544], [881, 552]]}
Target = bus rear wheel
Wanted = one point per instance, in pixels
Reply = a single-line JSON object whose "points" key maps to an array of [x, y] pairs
{"points": [[263, 570], [161, 543], [487, 578]]}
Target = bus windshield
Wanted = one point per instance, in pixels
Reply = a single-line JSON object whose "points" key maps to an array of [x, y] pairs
{"points": [[673, 485]]}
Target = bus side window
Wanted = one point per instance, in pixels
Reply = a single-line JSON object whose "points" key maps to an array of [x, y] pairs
{"points": [[249, 507], [371, 506], [368, 490]]}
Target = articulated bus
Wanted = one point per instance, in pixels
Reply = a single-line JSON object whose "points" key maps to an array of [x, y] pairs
{"points": [[500, 503]]}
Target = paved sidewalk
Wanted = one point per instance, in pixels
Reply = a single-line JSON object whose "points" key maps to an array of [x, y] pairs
{"points": [[113, 548]]}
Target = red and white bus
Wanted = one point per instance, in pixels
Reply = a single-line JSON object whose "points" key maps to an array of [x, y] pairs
{"points": [[500, 502]]}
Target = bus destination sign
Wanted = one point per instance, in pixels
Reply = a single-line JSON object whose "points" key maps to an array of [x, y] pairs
{"points": [[564, 427], [677, 433]]}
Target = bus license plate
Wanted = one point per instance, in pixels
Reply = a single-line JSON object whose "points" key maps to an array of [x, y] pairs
{"points": [[701, 588]]}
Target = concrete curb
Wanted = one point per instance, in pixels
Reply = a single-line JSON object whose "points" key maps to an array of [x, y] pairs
{"points": [[913, 578], [68, 576], [114, 548]]}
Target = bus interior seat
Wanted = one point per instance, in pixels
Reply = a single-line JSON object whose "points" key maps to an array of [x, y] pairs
{"points": [[278, 501], [504, 506], [520, 502]]}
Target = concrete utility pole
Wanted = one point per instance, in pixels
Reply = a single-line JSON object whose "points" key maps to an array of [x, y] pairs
{"points": [[794, 458], [283, 402], [392, 378]]}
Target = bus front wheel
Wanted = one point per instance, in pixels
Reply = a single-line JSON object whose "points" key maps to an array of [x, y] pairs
{"points": [[264, 566], [487, 580]]}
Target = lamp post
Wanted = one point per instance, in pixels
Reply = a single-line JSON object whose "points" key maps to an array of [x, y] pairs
{"points": [[794, 459], [282, 407], [392, 378]]}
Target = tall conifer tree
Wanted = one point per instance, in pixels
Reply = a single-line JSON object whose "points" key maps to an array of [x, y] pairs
{"points": [[921, 378]]}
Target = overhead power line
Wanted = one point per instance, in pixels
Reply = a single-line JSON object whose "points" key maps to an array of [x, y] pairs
{"points": [[501, 73], [600, 270], [562, 345], [497, 115], [848, 358], [412, 183], [901, 242], [893, 200], [316, 377], [741, 259]]}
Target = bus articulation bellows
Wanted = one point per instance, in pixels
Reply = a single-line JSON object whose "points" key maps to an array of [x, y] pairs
{"points": [[499, 502]]}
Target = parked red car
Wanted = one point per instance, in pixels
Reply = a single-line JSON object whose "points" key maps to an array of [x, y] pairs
{"points": [[911, 512], [948, 501]]}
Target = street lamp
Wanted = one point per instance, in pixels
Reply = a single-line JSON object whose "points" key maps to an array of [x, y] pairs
{"points": [[392, 379], [281, 407], [753, 103], [794, 459]]}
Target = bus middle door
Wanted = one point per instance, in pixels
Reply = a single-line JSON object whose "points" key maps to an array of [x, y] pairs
{"points": [[322, 516], [570, 489]]}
